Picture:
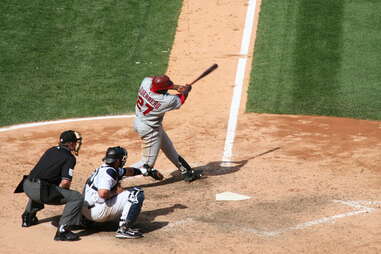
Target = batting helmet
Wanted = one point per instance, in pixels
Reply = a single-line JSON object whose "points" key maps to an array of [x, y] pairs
{"points": [[116, 153], [160, 83]]}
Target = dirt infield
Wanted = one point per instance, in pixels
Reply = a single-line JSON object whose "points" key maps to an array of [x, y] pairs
{"points": [[314, 182]]}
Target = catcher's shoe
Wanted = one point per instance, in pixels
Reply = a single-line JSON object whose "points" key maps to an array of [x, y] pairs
{"points": [[192, 175], [64, 234], [128, 233], [28, 220]]}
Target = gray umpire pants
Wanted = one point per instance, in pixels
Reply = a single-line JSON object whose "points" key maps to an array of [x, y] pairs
{"points": [[73, 201]]}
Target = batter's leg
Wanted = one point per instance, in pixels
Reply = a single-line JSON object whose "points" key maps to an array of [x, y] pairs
{"points": [[169, 150], [151, 147]]}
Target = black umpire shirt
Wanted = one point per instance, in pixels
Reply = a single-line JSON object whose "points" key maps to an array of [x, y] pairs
{"points": [[56, 163]]}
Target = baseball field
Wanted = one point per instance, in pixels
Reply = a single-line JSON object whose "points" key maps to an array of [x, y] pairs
{"points": [[307, 157]]}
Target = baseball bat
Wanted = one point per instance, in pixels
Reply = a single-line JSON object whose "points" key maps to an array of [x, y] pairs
{"points": [[206, 72]]}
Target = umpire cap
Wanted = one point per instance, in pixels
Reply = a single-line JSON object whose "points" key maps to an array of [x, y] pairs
{"points": [[69, 136]]}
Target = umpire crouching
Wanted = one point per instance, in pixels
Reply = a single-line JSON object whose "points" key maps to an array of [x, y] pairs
{"points": [[49, 183]]}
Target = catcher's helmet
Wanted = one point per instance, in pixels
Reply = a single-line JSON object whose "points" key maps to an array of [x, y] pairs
{"points": [[116, 153], [160, 83]]}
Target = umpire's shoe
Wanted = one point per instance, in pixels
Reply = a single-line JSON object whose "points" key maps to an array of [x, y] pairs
{"points": [[64, 234], [28, 219]]}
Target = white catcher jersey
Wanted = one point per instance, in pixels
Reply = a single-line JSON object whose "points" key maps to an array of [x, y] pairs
{"points": [[104, 177], [151, 107]]}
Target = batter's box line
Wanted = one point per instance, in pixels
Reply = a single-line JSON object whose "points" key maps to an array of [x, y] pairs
{"points": [[358, 205]]}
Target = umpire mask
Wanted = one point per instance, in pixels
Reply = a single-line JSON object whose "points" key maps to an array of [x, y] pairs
{"points": [[78, 144]]}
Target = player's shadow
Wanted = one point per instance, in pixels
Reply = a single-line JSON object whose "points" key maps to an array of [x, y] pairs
{"points": [[53, 220], [214, 168], [146, 222]]}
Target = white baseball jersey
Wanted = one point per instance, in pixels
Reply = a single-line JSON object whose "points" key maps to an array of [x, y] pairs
{"points": [[104, 177], [125, 206], [151, 107]]}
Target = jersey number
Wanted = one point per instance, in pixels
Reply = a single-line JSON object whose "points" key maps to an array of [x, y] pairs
{"points": [[140, 104]]}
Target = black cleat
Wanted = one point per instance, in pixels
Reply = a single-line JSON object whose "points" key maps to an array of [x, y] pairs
{"points": [[65, 235], [190, 176], [28, 220]]}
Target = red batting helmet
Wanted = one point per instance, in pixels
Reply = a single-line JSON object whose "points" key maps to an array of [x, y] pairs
{"points": [[162, 82]]}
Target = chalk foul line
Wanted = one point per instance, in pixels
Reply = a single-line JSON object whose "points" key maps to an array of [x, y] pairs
{"points": [[359, 207], [330, 219], [239, 80], [37, 124]]}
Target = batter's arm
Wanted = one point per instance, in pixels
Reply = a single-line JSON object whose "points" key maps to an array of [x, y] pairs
{"points": [[183, 92]]}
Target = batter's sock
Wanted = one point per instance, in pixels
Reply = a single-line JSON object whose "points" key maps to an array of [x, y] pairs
{"points": [[184, 166]]}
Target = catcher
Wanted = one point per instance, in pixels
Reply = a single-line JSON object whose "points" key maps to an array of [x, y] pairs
{"points": [[106, 200]]}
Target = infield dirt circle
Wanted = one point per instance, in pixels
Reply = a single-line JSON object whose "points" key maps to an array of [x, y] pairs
{"points": [[298, 170]]}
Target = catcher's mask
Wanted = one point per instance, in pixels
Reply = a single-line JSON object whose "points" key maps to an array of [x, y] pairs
{"points": [[71, 136], [116, 153], [161, 83]]}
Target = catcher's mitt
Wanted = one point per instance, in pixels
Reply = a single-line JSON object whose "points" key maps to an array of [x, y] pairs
{"points": [[155, 174]]}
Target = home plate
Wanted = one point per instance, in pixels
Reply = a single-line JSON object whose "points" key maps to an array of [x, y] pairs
{"points": [[230, 196]]}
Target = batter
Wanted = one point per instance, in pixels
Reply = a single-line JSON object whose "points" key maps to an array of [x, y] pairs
{"points": [[152, 103]]}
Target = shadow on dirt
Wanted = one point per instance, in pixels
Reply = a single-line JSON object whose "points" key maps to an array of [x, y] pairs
{"points": [[214, 168], [53, 220], [145, 222], [217, 168]]}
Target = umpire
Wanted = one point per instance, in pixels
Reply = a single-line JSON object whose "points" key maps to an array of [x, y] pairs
{"points": [[49, 183]]}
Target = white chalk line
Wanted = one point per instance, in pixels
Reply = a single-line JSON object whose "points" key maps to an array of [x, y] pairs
{"points": [[366, 202], [306, 224], [178, 223], [330, 219], [37, 124], [354, 204], [238, 84]]}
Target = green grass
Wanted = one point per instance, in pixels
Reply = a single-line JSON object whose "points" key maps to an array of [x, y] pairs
{"points": [[61, 59], [318, 57]]}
